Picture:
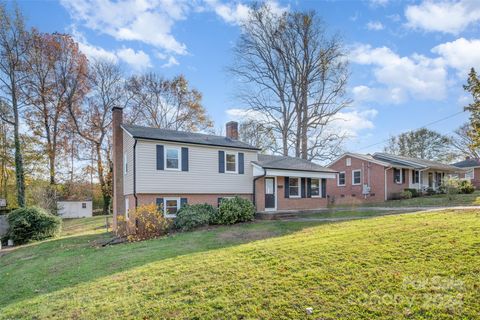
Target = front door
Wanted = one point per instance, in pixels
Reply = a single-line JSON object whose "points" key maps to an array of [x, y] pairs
{"points": [[430, 180], [269, 193]]}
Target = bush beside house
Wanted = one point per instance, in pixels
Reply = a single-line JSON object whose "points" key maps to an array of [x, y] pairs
{"points": [[193, 216]]}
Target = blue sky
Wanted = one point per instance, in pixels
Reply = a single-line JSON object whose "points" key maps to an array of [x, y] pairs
{"points": [[408, 59]]}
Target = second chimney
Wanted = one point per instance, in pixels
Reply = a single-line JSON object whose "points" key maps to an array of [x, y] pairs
{"points": [[232, 130]]}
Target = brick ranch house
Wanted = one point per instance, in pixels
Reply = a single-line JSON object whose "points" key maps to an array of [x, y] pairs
{"points": [[472, 170], [171, 168], [379, 177]]}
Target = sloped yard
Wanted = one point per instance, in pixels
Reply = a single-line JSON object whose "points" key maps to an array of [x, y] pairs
{"points": [[423, 265]]}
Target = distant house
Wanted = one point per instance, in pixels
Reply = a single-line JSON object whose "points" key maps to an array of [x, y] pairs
{"points": [[173, 168], [75, 208], [382, 176], [472, 170]]}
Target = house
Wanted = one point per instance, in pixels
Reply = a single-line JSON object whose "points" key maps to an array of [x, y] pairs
{"points": [[472, 173], [171, 168], [75, 208], [382, 176]]}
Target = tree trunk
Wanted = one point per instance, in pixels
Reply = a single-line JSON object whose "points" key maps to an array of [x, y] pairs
{"points": [[103, 185], [19, 173]]}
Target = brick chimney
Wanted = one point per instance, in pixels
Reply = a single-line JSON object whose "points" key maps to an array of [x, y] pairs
{"points": [[232, 130], [117, 156], [467, 158]]}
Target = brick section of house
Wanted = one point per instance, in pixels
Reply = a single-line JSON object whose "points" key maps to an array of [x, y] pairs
{"points": [[211, 199], [286, 203], [372, 174], [394, 189], [476, 178], [232, 130], [117, 154]]}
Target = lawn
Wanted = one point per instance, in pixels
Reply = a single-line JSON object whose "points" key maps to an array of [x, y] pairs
{"points": [[439, 200], [422, 265]]}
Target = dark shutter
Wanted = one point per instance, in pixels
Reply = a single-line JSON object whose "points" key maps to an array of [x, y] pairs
{"points": [[159, 202], [309, 187], [183, 201], [302, 186], [160, 156], [324, 188], [219, 200], [287, 187], [184, 159], [221, 161], [241, 169], [394, 174], [404, 173]]}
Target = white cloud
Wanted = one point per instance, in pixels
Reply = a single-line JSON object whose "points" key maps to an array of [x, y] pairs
{"points": [[375, 25], [461, 54], [170, 62], [148, 22], [444, 16], [376, 3], [236, 13], [139, 60], [414, 76], [244, 114], [91, 51], [352, 122]]}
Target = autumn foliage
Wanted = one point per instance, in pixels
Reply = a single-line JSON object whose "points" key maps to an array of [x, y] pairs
{"points": [[144, 222]]}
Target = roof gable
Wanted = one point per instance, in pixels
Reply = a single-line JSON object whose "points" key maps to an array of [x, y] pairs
{"points": [[289, 163], [467, 163]]}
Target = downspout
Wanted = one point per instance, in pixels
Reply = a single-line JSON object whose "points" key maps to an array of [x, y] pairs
{"points": [[135, 173], [386, 194], [254, 186]]}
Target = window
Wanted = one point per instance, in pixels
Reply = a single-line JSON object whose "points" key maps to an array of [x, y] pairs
{"points": [[171, 206], [230, 162], [127, 208], [341, 178], [415, 176], [348, 162], [294, 187], [469, 174], [125, 163], [172, 156], [84, 205], [315, 187], [397, 175], [356, 177]]}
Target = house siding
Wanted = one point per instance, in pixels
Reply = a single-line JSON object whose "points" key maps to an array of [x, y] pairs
{"points": [[201, 178], [372, 174], [128, 143]]}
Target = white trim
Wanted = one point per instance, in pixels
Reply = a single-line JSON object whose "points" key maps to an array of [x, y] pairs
{"points": [[473, 174], [299, 187], [319, 188], [127, 208], [236, 161], [401, 175], [275, 193], [300, 174], [125, 163], [344, 179], [361, 157], [179, 204], [165, 151], [353, 177]]}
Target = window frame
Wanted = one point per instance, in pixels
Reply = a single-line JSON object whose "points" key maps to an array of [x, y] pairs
{"points": [[400, 181], [472, 171], [344, 179], [319, 188], [84, 205], [353, 177], [236, 162], [348, 162], [415, 176], [125, 163], [299, 187], [127, 208], [179, 152], [179, 204]]}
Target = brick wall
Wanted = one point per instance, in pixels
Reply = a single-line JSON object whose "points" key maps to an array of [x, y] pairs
{"points": [[191, 198], [117, 156]]}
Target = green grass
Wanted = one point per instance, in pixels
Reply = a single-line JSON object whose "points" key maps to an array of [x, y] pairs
{"points": [[423, 265], [439, 200]]}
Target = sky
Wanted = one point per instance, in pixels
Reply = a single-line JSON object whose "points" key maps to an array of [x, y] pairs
{"points": [[408, 59]]}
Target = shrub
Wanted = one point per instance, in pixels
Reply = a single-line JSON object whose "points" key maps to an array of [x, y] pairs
{"points": [[32, 223], [466, 187], [144, 222], [430, 191], [413, 191], [192, 216], [450, 186], [406, 194], [234, 210]]}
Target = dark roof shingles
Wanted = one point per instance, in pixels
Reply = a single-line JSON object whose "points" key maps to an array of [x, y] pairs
{"points": [[289, 163], [467, 163]]}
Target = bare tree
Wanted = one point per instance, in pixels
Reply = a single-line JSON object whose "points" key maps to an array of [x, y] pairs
{"points": [[463, 142], [295, 75], [13, 48], [93, 119], [168, 104], [258, 135]]}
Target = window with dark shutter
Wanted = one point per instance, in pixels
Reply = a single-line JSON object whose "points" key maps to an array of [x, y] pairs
{"points": [[303, 182], [309, 187], [324, 188], [159, 202], [221, 161], [287, 187], [184, 159], [183, 201], [160, 157], [241, 168]]}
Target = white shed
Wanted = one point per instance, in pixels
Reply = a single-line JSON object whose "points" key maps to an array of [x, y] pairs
{"points": [[74, 208]]}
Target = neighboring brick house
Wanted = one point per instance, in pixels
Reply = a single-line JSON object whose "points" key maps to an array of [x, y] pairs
{"points": [[472, 170], [379, 177], [171, 168]]}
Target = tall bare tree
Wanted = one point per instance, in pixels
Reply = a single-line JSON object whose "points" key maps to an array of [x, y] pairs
{"points": [[13, 48], [258, 135], [473, 87], [463, 142], [57, 79], [168, 104], [92, 120], [295, 75]]}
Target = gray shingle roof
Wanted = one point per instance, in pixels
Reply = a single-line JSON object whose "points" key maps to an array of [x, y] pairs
{"points": [[185, 137], [289, 163], [467, 163], [413, 162]]}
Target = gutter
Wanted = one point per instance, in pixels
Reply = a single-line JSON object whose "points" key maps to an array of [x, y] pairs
{"points": [[254, 186], [135, 173]]}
